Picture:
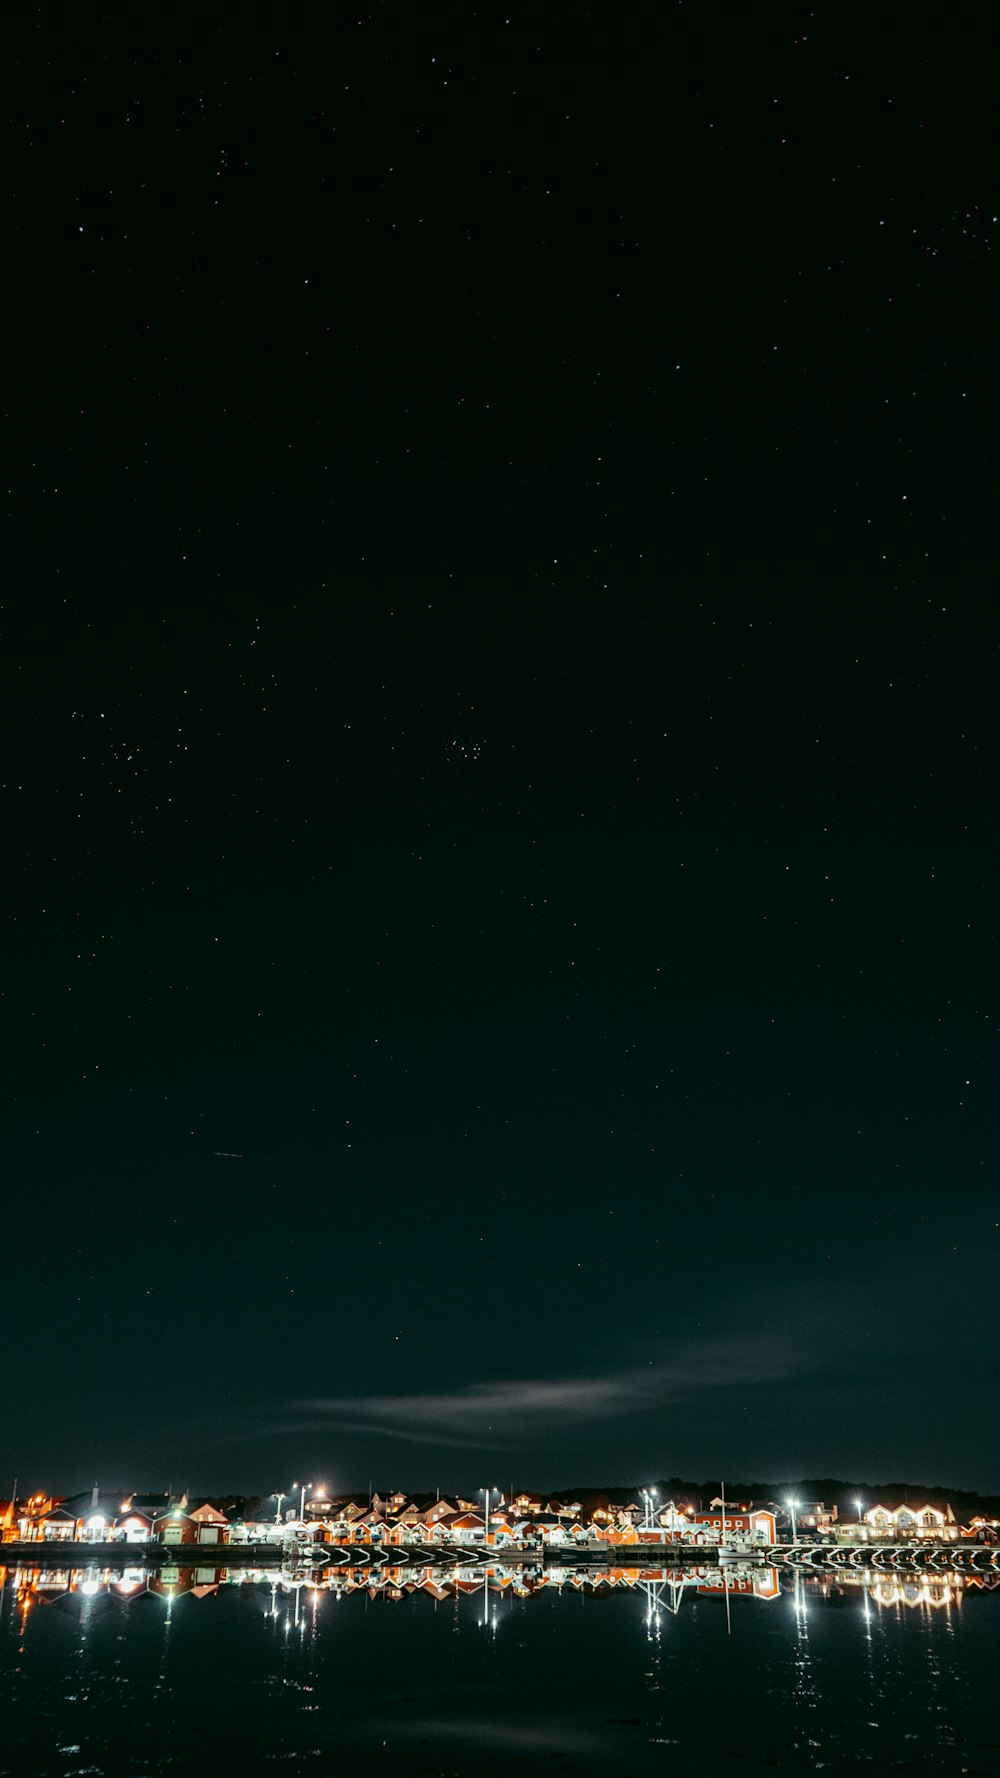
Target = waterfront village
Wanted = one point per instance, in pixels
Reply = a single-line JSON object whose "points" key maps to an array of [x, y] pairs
{"points": [[494, 1519]]}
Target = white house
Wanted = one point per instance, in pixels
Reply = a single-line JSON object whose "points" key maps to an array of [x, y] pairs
{"points": [[937, 1522]]}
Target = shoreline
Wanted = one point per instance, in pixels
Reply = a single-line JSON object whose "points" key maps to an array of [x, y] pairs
{"points": [[329, 1557], [338, 1555]]}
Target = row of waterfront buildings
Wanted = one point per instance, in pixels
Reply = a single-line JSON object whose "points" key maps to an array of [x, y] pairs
{"points": [[397, 1518], [665, 1589]]}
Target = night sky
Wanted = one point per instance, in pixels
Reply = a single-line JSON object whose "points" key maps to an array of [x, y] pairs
{"points": [[499, 708]]}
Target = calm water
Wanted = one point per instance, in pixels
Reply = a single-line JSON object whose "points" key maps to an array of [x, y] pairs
{"points": [[105, 1676]]}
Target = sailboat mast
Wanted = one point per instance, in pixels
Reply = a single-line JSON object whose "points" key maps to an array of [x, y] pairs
{"points": [[722, 1559]]}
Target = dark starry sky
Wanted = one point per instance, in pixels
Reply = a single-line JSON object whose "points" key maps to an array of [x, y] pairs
{"points": [[499, 747]]}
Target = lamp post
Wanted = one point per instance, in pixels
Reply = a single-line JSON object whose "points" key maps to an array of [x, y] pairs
{"points": [[486, 1579], [792, 1504], [277, 1514], [859, 1505], [302, 1486]]}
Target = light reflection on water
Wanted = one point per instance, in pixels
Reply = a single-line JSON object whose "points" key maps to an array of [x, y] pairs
{"points": [[108, 1672]]}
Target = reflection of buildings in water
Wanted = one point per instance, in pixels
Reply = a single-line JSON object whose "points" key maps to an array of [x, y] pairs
{"points": [[890, 1590], [752, 1583], [85, 1590], [46, 1585], [922, 1591], [664, 1589], [982, 1583], [130, 1582], [172, 1582]]}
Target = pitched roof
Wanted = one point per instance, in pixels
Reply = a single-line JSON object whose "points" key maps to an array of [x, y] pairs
{"points": [[207, 1514], [148, 1503], [84, 1506]]}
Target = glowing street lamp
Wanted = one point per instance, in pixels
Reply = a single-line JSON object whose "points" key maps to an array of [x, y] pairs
{"points": [[486, 1579], [859, 1504], [302, 1486], [277, 1516], [791, 1505]]}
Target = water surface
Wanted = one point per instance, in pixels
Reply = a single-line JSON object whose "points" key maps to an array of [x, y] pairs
{"points": [[115, 1674]]}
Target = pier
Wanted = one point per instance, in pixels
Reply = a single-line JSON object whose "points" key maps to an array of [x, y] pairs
{"points": [[303, 1553]]}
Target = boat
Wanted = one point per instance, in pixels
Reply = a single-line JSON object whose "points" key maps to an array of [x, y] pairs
{"points": [[734, 1552]]}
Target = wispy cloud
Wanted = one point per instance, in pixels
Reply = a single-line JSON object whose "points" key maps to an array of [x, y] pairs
{"points": [[481, 1413]]}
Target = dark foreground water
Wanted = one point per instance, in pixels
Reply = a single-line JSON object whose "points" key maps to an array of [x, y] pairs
{"points": [[108, 1676]]}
